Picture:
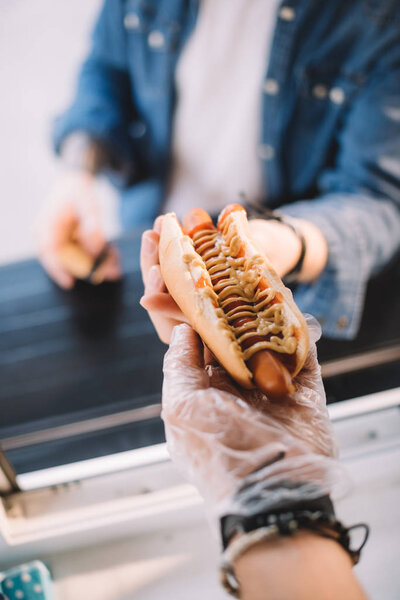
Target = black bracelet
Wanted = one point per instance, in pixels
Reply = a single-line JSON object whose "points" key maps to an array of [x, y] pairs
{"points": [[293, 274], [315, 513], [234, 524], [257, 210], [288, 523]]}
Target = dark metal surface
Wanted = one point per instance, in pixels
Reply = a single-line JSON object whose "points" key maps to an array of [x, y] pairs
{"points": [[67, 356], [70, 359]]}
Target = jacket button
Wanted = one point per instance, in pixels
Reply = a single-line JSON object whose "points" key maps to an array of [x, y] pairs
{"points": [[320, 91], [137, 129], [342, 322], [131, 21], [156, 39], [271, 87], [287, 13], [337, 95], [266, 152]]}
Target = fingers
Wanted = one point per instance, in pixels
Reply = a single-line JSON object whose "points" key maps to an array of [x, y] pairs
{"points": [[90, 231], [314, 328], [184, 371], [162, 309], [158, 223], [112, 265], [163, 303], [55, 233], [109, 269], [148, 253], [56, 271], [154, 281], [209, 358], [90, 237], [310, 375], [71, 215]]}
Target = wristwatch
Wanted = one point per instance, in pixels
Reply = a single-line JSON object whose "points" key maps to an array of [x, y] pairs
{"points": [[257, 210]]}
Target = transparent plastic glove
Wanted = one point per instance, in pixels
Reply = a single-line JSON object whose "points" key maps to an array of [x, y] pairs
{"points": [[72, 213], [224, 438]]}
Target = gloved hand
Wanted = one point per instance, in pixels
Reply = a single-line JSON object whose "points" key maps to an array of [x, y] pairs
{"points": [[224, 438], [71, 214]]}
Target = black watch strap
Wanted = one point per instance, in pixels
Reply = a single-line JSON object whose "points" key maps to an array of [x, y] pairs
{"points": [[232, 525], [259, 211], [292, 275]]}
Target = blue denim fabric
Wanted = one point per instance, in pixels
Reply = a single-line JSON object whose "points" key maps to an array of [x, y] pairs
{"points": [[329, 138]]}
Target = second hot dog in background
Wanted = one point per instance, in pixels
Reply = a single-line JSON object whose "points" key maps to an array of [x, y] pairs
{"points": [[230, 293]]}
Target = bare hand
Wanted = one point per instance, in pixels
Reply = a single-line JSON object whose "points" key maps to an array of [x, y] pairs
{"points": [[72, 214], [162, 309], [283, 247]]}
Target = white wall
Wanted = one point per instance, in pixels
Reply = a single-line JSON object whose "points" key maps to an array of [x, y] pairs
{"points": [[41, 45]]}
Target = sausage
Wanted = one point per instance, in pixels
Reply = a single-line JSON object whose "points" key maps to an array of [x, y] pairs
{"points": [[269, 374]]}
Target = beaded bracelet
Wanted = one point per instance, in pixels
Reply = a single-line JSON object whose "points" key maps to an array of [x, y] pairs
{"points": [[288, 523]]}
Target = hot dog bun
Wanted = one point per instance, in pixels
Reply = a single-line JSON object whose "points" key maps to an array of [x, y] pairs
{"points": [[184, 271], [181, 268]]}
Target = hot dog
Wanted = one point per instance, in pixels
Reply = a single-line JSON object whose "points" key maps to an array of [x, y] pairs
{"points": [[234, 299], [79, 263]]}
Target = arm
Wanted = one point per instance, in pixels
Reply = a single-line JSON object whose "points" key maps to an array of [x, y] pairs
{"points": [[91, 135], [357, 212], [102, 108], [226, 441], [298, 568], [219, 442]]}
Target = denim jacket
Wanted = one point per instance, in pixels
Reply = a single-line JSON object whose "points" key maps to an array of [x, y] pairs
{"points": [[329, 142]]}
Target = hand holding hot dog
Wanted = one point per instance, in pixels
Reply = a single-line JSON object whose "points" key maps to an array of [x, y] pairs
{"points": [[225, 438], [229, 293], [71, 234], [276, 240], [162, 309]]}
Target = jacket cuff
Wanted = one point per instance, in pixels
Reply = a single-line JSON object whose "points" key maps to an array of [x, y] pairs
{"points": [[336, 298], [94, 126], [75, 149]]}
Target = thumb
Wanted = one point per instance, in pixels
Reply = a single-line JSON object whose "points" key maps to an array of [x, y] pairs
{"points": [[184, 372], [90, 235], [91, 230]]}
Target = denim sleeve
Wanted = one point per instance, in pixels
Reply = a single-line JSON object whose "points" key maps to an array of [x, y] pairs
{"points": [[102, 106], [358, 209]]}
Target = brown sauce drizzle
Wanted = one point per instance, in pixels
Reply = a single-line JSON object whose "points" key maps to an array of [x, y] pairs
{"points": [[255, 315]]}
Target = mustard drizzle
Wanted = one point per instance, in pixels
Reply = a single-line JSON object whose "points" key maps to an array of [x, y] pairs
{"points": [[240, 277]]}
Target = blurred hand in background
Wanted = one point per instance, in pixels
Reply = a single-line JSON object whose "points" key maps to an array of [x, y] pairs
{"points": [[72, 215]]}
